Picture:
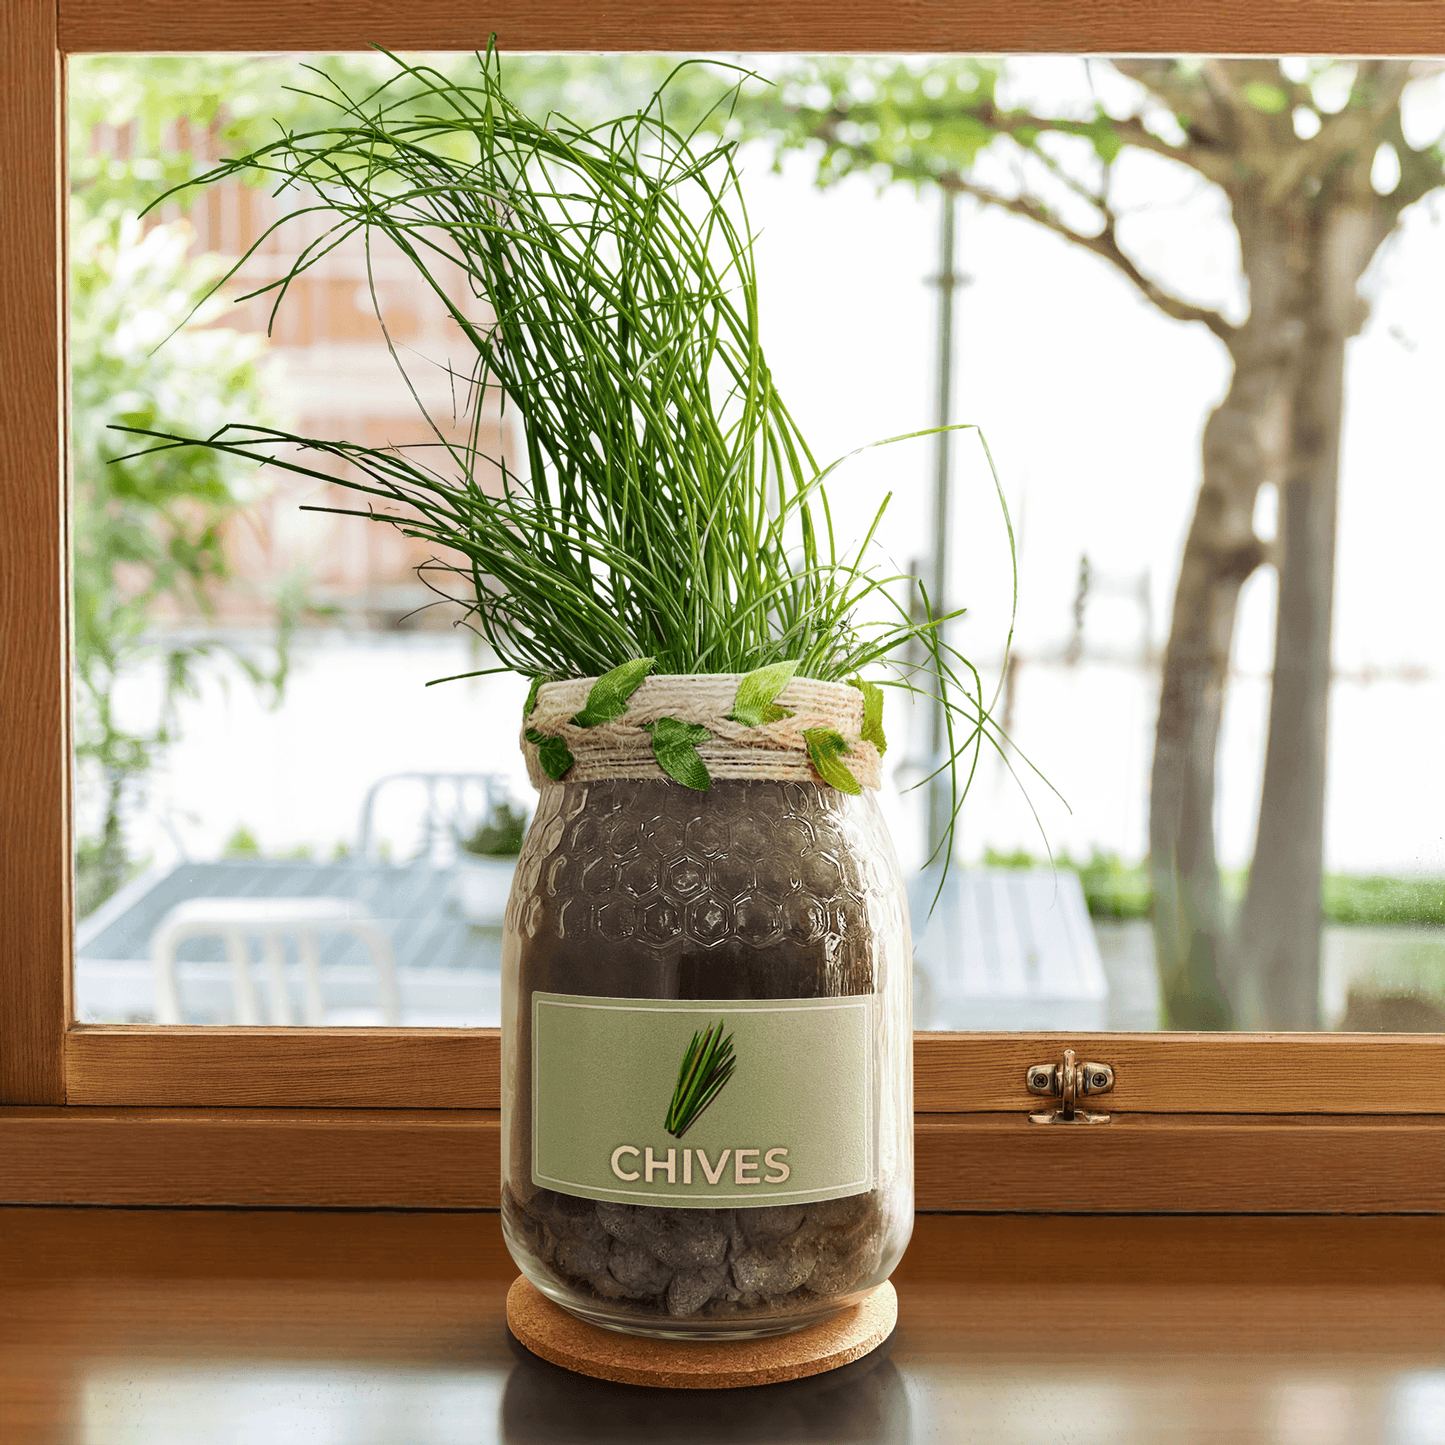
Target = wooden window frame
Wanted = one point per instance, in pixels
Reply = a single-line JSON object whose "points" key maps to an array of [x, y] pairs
{"points": [[408, 1118]]}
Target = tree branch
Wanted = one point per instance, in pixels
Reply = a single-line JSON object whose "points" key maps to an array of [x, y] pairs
{"points": [[1182, 92], [1421, 172], [1374, 97], [1097, 199], [1105, 244], [1378, 86], [1131, 130], [1256, 130], [1198, 155]]}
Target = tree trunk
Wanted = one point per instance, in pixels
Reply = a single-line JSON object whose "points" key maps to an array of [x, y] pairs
{"points": [[1220, 552], [1278, 946]]}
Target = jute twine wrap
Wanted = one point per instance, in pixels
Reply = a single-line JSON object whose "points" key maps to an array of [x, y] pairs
{"points": [[622, 749]]}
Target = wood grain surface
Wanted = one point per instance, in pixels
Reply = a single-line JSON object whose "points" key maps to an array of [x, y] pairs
{"points": [[35, 912], [1192, 1073], [308, 1068], [391, 1158], [1091, 26], [953, 1073], [174, 1327], [64, 1245], [1224, 1164], [450, 1159]]}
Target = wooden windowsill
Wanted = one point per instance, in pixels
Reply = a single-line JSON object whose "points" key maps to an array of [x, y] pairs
{"points": [[998, 1163], [176, 1326]]}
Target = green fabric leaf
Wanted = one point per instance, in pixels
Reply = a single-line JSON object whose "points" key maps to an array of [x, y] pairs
{"points": [[554, 755], [674, 745], [609, 694], [531, 702], [753, 705], [872, 713], [825, 747]]}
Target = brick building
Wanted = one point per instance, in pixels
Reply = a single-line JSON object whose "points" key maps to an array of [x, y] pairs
{"points": [[335, 378]]}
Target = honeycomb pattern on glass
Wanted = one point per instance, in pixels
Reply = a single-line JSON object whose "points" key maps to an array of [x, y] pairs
{"points": [[659, 880]]}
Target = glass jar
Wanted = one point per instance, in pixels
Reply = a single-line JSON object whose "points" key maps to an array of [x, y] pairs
{"points": [[648, 921]]}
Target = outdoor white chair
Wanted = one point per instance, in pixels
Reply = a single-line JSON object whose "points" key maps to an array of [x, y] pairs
{"points": [[273, 920]]}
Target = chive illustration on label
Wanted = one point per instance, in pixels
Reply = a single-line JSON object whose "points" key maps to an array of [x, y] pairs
{"points": [[706, 1068]]}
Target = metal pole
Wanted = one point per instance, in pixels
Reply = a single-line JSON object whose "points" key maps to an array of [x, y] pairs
{"points": [[948, 280]]}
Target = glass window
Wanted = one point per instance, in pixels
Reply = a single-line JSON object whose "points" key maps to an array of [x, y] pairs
{"points": [[279, 822]]}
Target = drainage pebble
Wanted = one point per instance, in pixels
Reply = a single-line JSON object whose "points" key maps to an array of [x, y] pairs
{"points": [[703, 1262]]}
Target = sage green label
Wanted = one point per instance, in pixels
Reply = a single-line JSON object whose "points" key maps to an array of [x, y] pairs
{"points": [[702, 1103]]}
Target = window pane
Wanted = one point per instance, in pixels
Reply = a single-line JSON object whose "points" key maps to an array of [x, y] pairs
{"points": [[279, 822]]}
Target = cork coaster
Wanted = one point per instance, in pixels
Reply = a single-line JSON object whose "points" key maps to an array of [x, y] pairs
{"points": [[549, 1331]]}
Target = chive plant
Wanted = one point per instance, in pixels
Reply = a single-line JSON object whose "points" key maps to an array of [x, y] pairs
{"points": [[669, 508]]}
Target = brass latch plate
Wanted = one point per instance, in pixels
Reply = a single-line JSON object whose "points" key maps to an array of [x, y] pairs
{"points": [[1069, 1082]]}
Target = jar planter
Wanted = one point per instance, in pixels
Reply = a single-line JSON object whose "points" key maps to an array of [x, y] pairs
{"points": [[707, 1029], [706, 944]]}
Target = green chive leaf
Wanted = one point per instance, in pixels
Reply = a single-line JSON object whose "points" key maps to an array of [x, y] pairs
{"points": [[825, 747], [872, 713], [754, 703], [674, 745], [670, 506], [609, 694]]}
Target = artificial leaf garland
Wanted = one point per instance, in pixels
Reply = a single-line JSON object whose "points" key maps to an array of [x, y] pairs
{"points": [[554, 755], [606, 699], [872, 713], [825, 747], [531, 701], [674, 745], [754, 704], [675, 742], [609, 694]]}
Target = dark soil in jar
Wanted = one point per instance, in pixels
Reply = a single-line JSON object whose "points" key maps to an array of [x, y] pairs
{"points": [[752, 890]]}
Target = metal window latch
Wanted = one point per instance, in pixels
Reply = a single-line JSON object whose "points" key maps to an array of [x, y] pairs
{"points": [[1069, 1082]]}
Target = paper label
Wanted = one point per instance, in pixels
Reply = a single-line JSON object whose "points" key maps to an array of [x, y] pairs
{"points": [[702, 1103]]}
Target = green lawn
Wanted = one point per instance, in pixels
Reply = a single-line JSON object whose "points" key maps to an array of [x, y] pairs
{"points": [[1115, 889]]}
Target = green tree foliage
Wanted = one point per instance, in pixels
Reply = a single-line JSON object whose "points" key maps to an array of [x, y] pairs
{"points": [[147, 531], [142, 124]]}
